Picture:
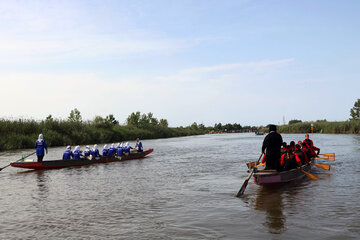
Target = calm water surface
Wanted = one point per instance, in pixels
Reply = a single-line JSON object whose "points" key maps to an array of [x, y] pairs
{"points": [[184, 190]]}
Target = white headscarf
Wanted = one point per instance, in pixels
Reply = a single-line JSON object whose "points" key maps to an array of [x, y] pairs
{"points": [[95, 146], [77, 148], [113, 145], [68, 148], [87, 147], [105, 146], [41, 137], [118, 145], [121, 145], [127, 144]]}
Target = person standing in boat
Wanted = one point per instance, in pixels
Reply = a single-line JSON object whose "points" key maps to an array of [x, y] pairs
{"points": [[68, 154], [41, 147], [310, 143], [272, 148], [139, 145], [77, 153]]}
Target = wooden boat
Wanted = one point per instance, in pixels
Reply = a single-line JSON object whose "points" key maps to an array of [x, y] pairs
{"points": [[52, 164], [262, 177]]}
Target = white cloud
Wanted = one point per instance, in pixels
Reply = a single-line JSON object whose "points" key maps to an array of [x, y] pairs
{"points": [[240, 65], [35, 50]]}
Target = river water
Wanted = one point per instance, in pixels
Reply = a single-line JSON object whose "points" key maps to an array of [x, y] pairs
{"points": [[185, 189]]}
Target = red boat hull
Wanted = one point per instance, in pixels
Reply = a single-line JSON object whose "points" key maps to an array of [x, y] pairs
{"points": [[79, 162]]}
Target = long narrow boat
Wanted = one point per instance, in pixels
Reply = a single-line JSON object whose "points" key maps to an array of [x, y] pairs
{"points": [[263, 177], [78, 162]]}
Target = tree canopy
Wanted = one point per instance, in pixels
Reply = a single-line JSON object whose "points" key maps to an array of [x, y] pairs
{"points": [[355, 110]]}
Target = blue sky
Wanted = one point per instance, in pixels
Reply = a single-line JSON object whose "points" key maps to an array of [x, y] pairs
{"points": [[249, 62]]}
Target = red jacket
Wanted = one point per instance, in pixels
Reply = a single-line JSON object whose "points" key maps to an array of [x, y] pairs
{"points": [[311, 144], [300, 156], [286, 156]]}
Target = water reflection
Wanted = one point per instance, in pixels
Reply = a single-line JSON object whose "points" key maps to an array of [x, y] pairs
{"points": [[269, 199], [43, 189]]}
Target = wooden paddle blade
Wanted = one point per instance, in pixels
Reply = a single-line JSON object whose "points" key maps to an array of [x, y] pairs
{"points": [[326, 158], [312, 176], [242, 189], [261, 165], [322, 166], [250, 164], [328, 154]]}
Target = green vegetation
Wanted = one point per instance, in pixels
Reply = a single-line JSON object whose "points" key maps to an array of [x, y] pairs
{"points": [[294, 121], [16, 134], [355, 111], [322, 126]]}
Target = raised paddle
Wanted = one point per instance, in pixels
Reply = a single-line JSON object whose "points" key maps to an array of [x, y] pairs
{"points": [[18, 160], [243, 187], [312, 176], [322, 166]]}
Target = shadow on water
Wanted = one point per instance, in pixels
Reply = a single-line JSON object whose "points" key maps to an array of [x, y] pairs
{"points": [[274, 200], [269, 199]]}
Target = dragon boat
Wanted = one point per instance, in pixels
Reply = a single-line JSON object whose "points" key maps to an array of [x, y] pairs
{"points": [[52, 164]]}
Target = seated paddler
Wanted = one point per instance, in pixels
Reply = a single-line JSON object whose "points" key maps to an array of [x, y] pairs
{"points": [[105, 151], [112, 150], [300, 156], [310, 143], [288, 160], [77, 153], [87, 152], [95, 151], [68, 154], [120, 150], [127, 148]]}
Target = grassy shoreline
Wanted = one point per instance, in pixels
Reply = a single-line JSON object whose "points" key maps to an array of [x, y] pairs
{"points": [[19, 134], [342, 127]]}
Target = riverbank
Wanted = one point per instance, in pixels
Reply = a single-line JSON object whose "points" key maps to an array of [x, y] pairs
{"points": [[344, 127], [18, 134]]}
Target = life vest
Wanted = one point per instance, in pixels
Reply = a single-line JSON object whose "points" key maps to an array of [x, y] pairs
{"points": [[300, 157], [287, 156]]}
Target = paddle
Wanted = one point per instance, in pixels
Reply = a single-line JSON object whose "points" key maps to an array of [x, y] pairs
{"points": [[328, 154], [312, 176], [18, 160], [322, 166], [326, 158], [243, 187]]}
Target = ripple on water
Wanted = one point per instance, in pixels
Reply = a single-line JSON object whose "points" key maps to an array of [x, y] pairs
{"points": [[185, 190]]}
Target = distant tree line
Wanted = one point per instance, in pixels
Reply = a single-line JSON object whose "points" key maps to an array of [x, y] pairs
{"points": [[22, 133], [351, 126]]}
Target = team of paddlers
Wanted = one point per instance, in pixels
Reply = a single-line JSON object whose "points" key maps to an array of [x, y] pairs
{"points": [[281, 157], [120, 150]]}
